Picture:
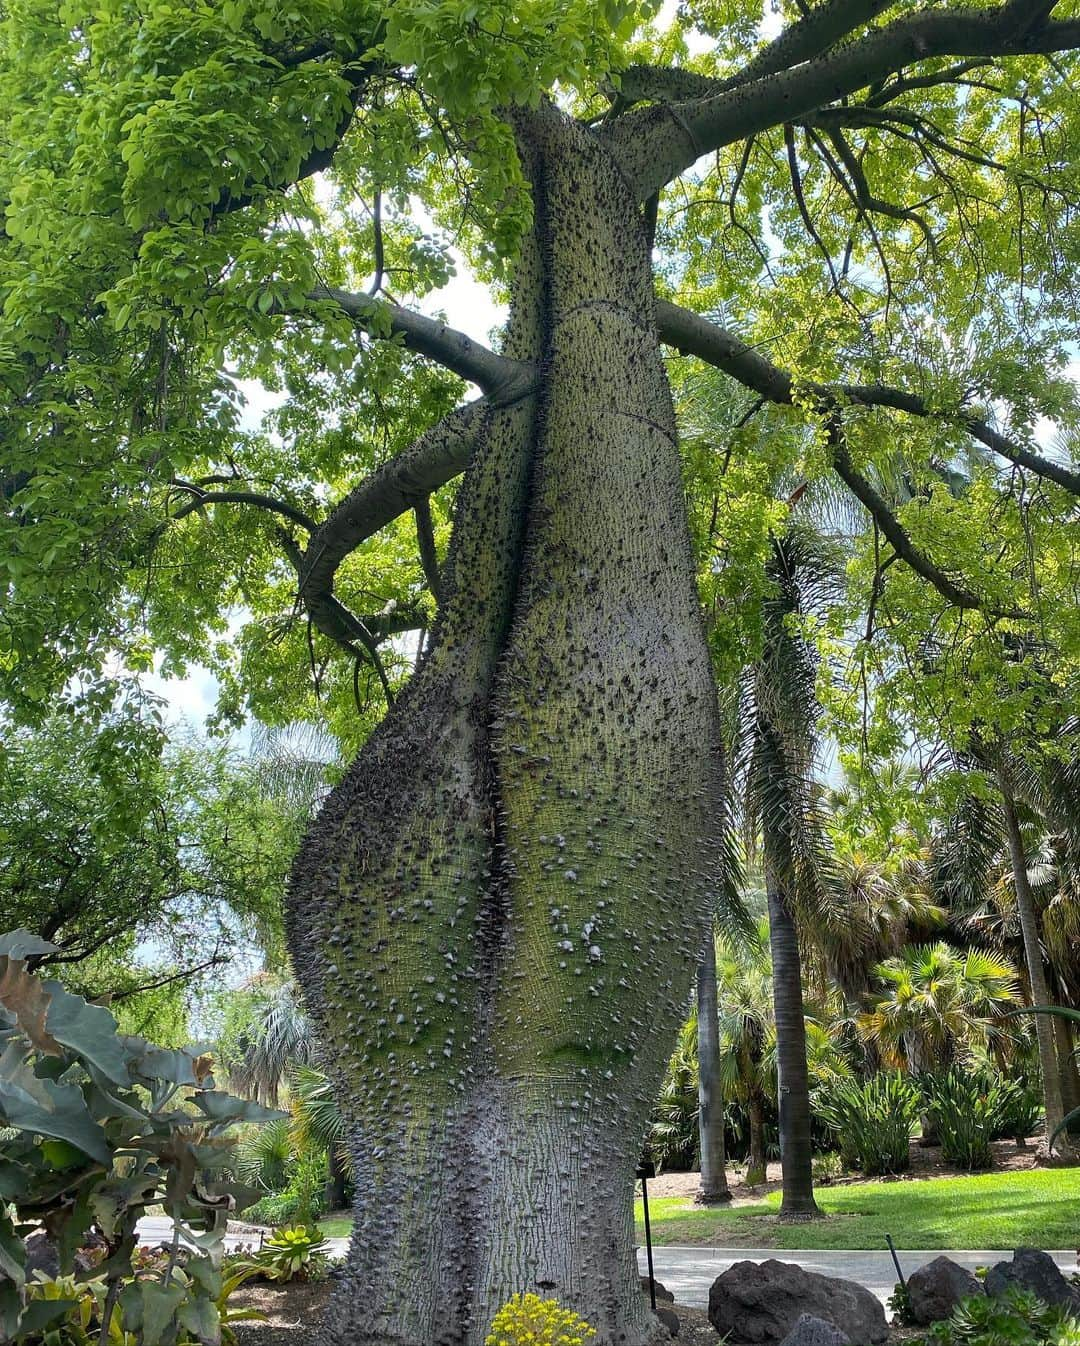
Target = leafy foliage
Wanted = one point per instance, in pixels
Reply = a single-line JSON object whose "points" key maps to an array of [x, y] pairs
{"points": [[98, 1127], [1016, 1318], [872, 1121], [967, 1109]]}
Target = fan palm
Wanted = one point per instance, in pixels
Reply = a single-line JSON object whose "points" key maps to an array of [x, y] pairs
{"points": [[938, 1005]]}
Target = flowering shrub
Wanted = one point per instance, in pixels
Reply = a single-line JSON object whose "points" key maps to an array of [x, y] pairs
{"points": [[528, 1320]]}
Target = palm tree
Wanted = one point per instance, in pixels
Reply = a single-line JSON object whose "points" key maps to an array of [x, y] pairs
{"points": [[939, 1005], [745, 1005], [713, 1188], [779, 713]]}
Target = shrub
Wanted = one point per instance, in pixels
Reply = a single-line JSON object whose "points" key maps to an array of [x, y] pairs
{"points": [[1015, 1319], [872, 1121], [528, 1320], [966, 1110], [95, 1127], [826, 1168], [1021, 1113]]}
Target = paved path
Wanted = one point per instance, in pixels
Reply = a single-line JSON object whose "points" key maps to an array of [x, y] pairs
{"points": [[689, 1272]]}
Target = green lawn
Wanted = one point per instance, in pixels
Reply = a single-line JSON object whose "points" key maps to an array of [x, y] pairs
{"points": [[992, 1210]]}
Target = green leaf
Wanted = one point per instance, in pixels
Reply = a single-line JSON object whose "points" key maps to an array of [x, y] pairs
{"points": [[89, 1030], [47, 1108]]}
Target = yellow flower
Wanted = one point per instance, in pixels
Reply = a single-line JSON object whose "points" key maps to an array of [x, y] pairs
{"points": [[528, 1320]]}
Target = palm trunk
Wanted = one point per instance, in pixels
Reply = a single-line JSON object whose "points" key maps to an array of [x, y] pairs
{"points": [[756, 1169], [793, 1082], [1066, 1054], [1029, 927], [714, 1184], [496, 915], [336, 1179]]}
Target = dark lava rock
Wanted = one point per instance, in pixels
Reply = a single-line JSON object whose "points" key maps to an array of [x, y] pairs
{"points": [[1037, 1272], [668, 1318], [811, 1331], [937, 1288], [662, 1292], [763, 1302]]}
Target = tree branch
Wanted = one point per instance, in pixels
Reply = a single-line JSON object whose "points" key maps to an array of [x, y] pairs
{"points": [[425, 539], [694, 335], [428, 463], [656, 144], [503, 380], [200, 497]]}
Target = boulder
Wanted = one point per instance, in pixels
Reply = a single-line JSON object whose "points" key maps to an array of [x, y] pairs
{"points": [[1037, 1272], [936, 1289], [668, 1318], [662, 1292], [811, 1331], [763, 1301]]}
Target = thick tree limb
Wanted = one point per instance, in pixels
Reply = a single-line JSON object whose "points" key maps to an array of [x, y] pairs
{"points": [[428, 463], [503, 380], [656, 144], [694, 335]]}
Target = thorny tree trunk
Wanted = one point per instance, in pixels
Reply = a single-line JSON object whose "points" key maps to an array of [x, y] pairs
{"points": [[1029, 928], [496, 915], [793, 1081], [714, 1184]]}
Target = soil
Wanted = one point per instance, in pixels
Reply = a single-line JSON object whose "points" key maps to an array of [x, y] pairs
{"points": [[293, 1312], [926, 1162]]}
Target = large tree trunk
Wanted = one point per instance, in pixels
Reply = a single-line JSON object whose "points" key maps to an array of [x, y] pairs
{"points": [[1029, 928], [713, 1188], [496, 916], [793, 1081]]}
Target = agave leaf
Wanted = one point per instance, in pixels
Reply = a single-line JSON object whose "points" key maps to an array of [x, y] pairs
{"points": [[1070, 1120], [22, 994]]}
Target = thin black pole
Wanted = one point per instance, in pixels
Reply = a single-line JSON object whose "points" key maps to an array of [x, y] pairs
{"points": [[648, 1240], [896, 1261]]}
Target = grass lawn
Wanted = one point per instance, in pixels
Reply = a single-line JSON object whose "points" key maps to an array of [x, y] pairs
{"points": [[994, 1210], [1039, 1209]]}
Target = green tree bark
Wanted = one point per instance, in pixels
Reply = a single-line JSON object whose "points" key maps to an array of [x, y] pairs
{"points": [[496, 916]]}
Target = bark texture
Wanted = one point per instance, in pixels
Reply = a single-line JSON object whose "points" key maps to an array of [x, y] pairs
{"points": [[496, 915], [793, 1081], [714, 1183], [1029, 927]]}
